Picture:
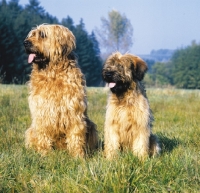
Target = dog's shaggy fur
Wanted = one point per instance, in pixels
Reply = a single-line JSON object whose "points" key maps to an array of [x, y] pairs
{"points": [[128, 117], [57, 98]]}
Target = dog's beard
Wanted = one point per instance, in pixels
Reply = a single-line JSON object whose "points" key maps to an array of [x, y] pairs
{"points": [[35, 56], [116, 85], [120, 88], [38, 59]]}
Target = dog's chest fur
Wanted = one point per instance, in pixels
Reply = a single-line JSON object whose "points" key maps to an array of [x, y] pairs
{"points": [[128, 115], [52, 96]]}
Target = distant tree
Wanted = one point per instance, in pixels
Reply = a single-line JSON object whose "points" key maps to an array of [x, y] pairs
{"points": [[115, 33], [35, 9], [9, 42], [96, 61], [186, 67], [161, 74], [88, 55], [148, 80], [35, 13], [69, 23], [149, 63]]}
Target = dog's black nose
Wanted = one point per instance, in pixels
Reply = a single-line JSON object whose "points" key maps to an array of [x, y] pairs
{"points": [[27, 43]]}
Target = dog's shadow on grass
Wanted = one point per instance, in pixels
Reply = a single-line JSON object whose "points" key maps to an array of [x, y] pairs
{"points": [[167, 144]]}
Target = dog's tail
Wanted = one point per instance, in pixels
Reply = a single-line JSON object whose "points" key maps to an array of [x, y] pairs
{"points": [[154, 147], [91, 136]]}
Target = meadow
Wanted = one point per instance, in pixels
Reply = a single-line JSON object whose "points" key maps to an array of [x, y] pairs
{"points": [[177, 169]]}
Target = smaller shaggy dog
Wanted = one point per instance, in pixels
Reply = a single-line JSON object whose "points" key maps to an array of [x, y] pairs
{"points": [[57, 98], [128, 117]]}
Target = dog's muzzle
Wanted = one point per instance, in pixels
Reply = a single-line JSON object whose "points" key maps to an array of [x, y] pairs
{"points": [[27, 44]]}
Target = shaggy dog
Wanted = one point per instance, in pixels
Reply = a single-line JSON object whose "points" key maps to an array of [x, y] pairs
{"points": [[57, 98], [128, 117]]}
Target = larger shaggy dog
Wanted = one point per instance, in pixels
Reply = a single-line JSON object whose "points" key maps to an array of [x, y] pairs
{"points": [[57, 98], [128, 117]]}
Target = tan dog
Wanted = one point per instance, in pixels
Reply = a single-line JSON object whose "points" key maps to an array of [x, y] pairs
{"points": [[128, 117], [57, 98]]}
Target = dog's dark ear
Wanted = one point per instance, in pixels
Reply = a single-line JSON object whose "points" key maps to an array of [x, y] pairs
{"points": [[139, 68]]}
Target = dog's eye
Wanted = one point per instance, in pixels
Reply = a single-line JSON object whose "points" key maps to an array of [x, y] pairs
{"points": [[41, 34], [32, 34]]}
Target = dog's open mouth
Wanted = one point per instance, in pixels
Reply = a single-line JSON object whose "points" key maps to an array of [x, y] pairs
{"points": [[111, 84], [118, 87], [31, 58], [37, 58]]}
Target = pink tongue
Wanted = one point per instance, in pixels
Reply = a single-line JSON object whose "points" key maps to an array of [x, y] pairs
{"points": [[111, 84], [31, 57]]}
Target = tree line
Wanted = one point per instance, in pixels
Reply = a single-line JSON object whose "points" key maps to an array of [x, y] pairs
{"points": [[181, 71], [179, 68], [15, 23]]}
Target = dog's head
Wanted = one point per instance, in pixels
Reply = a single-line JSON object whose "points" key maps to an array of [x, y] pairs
{"points": [[49, 43], [119, 71]]}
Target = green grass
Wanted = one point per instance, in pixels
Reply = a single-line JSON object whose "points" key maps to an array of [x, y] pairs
{"points": [[177, 124]]}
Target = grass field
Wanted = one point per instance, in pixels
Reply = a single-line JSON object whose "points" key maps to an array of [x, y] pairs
{"points": [[177, 124]]}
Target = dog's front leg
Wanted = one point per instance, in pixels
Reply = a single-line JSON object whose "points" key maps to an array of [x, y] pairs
{"points": [[76, 143], [112, 143], [38, 141], [140, 145]]}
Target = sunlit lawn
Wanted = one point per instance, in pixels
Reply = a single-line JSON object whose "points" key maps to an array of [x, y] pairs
{"points": [[177, 124]]}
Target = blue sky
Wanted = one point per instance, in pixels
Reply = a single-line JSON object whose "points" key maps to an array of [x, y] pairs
{"points": [[157, 24]]}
